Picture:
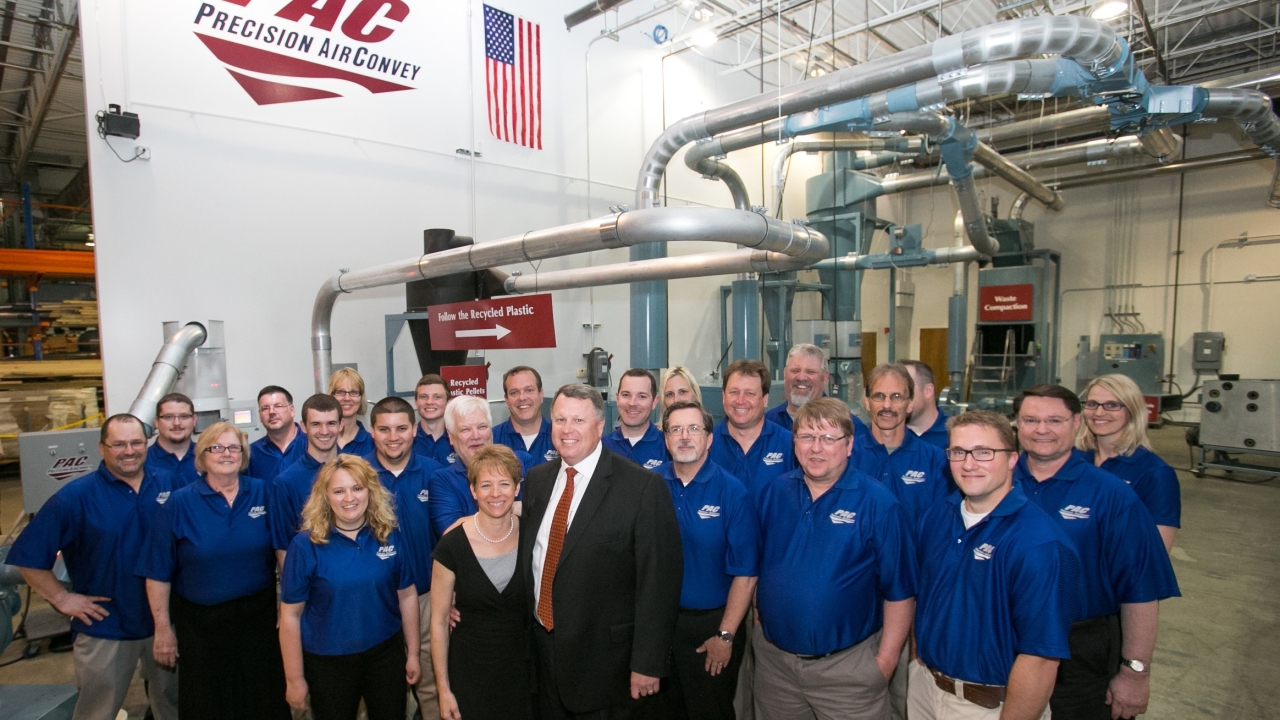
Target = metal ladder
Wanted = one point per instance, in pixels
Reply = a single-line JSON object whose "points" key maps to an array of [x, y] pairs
{"points": [[991, 379]]}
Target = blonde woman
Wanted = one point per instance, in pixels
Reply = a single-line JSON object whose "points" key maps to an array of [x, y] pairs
{"points": [[1115, 433], [211, 583], [482, 666], [349, 609], [678, 385], [347, 387]]}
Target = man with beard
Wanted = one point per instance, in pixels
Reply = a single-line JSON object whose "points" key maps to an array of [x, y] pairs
{"points": [[406, 474], [720, 538], [637, 439], [804, 378], [748, 447], [173, 451], [284, 442], [926, 421]]}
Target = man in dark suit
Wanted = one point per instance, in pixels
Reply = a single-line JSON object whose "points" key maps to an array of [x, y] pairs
{"points": [[604, 565]]}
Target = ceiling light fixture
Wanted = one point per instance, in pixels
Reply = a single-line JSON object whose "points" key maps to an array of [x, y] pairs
{"points": [[1110, 9], [705, 37]]}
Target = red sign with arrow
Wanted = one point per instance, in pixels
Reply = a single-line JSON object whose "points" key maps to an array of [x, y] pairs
{"points": [[505, 323]]}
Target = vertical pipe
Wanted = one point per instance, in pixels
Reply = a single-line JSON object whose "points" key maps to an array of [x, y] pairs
{"points": [[746, 319], [29, 237], [649, 314], [893, 313]]}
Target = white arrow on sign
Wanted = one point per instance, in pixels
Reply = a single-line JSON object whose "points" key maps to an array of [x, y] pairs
{"points": [[497, 332]]}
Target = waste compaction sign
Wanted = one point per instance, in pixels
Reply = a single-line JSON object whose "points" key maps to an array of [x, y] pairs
{"points": [[497, 324]]}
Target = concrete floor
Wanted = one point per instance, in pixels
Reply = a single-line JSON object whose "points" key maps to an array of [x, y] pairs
{"points": [[1216, 656]]}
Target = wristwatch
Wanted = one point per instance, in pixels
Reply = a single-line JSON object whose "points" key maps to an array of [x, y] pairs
{"points": [[725, 635], [1136, 665]]}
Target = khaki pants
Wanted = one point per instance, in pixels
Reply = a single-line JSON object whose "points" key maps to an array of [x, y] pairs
{"points": [[926, 701], [847, 685], [104, 670], [425, 690]]}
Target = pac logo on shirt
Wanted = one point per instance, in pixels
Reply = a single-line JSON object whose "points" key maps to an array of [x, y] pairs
{"points": [[983, 551], [257, 511], [162, 497], [453, 458], [842, 517], [651, 464], [1074, 512], [423, 496], [912, 477], [709, 511], [551, 455], [772, 458], [386, 552]]}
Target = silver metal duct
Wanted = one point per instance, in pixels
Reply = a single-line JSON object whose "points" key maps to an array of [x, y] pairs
{"points": [[627, 229], [912, 145], [1150, 171], [1085, 120], [164, 372], [1015, 211], [1002, 167], [940, 256], [1088, 41], [703, 157], [1001, 78], [1161, 144], [590, 10], [1250, 108]]}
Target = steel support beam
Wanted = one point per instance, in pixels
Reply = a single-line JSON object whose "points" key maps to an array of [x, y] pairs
{"points": [[45, 85]]}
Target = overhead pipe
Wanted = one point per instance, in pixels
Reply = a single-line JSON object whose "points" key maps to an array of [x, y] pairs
{"points": [[703, 157], [164, 372], [1000, 166], [897, 146], [627, 229], [1161, 144], [885, 261], [1086, 120], [1149, 171], [590, 10], [1015, 211]]}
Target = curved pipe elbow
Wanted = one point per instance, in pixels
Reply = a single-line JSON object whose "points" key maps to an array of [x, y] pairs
{"points": [[1161, 144], [165, 370]]}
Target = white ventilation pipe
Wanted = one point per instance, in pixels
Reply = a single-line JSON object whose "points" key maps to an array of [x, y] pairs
{"points": [[164, 372]]}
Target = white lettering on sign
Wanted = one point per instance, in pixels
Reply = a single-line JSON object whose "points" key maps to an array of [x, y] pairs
{"points": [[486, 313], [1005, 308]]}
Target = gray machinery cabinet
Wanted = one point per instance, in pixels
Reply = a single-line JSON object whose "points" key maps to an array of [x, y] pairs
{"points": [[1014, 337], [52, 459], [1239, 416], [1138, 357]]}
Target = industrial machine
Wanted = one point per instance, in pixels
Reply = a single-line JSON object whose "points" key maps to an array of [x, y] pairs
{"points": [[1238, 417]]}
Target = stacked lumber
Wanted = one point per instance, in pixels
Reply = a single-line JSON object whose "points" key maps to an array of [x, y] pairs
{"points": [[72, 313], [88, 371], [48, 406]]}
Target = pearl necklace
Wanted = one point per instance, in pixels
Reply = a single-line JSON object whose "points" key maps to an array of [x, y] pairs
{"points": [[475, 522]]}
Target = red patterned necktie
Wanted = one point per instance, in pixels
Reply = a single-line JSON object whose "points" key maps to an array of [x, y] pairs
{"points": [[559, 522]]}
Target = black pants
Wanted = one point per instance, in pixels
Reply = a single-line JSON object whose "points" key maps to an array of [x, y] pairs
{"points": [[704, 696], [338, 682], [229, 656], [550, 706], [1081, 690]]}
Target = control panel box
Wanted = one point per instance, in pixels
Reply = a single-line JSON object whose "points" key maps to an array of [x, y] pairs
{"points": [[1241, 414], [1140, 357], [52, 459], [1206, 352]]}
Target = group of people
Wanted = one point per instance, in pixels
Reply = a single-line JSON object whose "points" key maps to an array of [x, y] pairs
{"points": [[792, 562]]}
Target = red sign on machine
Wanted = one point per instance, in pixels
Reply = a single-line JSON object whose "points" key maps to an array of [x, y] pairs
{"points": [[466, 380], [1000, 303], [499, 324]]}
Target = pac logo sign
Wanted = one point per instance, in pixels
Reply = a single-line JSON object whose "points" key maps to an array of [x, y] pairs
{"points": [[262, 44], [67, 468]]}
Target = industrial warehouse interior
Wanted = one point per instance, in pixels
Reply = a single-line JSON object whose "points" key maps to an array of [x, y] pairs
{"points": [[218, 197]]}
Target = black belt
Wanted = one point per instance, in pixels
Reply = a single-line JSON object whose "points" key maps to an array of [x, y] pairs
{"points": [[823, 655], [694, 612]]}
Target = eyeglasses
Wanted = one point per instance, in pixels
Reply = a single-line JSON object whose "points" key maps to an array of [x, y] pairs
{"points": [[219, 449], [176, 418], [347, 393], [690, 430], [1053, 422], [958, 454], [120, 446], [825, 440], [1109, 406], [894, 399]]}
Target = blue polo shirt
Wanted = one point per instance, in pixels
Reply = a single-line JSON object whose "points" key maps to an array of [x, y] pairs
{"points": [[719, 533], [916, 473], [1153, 480], [650, 452], [779, 416], [411, 495], [360, 445], [1008, 586], [451, 493], [266, 460], [99, 524], [770, 456], [937, 435], [210, 551], [289, 493], [826, 566], [541, 450], [1122, 558], [439, 450], [349, 587], [183, 471]]}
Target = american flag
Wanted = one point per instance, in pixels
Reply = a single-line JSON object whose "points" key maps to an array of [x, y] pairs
{"points": [[513, 77]]}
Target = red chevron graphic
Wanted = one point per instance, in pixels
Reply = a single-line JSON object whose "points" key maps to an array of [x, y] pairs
{"points": [[266, 92]]}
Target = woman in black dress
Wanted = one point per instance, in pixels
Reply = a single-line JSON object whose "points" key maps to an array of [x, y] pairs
{"points": [[482, 667]]}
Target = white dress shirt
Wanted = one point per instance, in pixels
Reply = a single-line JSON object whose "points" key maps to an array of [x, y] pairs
{"points": [[585, 469]]}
